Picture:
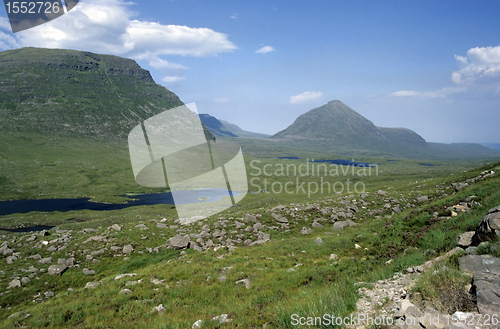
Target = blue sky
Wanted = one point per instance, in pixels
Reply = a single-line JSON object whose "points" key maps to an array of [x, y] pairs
{"points": [[431, 66]]}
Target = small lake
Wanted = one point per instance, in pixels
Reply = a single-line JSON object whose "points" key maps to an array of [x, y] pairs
{"points": [[63, 205], [28, 229], [337, 162]]}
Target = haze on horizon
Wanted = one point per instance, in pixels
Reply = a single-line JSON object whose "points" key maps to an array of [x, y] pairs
{"points": [[430, 67]]}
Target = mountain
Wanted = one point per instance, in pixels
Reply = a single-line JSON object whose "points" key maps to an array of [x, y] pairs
{"points": [[495, 146], [223, 128], [242, 133], [335, 127], [215, 126], [62, 92]]}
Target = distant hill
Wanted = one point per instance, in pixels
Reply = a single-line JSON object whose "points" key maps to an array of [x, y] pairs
{"points": [[223, 128], [215, 126], [335, 127], [495, 146], [242, 133], [72, 93]]}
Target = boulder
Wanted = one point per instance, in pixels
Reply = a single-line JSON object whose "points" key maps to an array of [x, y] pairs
{"points": [[250, 218], [319, 241], [57, 269], [489, 227], [343, 223], [128, 249], [15, 283], [179, 242], [464, 240], [115, 227], [305, 230], [423, 198]]}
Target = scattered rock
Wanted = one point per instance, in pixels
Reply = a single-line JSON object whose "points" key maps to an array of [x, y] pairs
{"points": [[120, 276], [125, 291], [115, 227], [489, 227], [334, 257], [87, 271], [319, 241], [57, 269], [250, 218], [160, 309], [305, 230], [343, 223], [128, 249], [223, 318], [92, 285], [179, 242], [464, 240], [15, 283], [423, 198], [244, 281]]}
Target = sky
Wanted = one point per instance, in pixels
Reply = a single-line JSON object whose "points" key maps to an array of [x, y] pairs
{"points": [[430, 66]]}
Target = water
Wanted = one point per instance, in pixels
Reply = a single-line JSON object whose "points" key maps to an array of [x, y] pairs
{"points": [[63, 205], [428, 164], [346, 163], [28, 229], [289, 158]]}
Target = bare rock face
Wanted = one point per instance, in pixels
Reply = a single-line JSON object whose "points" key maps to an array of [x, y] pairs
{"points": [[489, 228], [464, 240]]}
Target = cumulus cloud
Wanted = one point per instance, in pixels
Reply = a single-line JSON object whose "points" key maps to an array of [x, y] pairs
{"points": [[443, 92], [221, 100], [108, 27], [305, 96], [482, 64], [170, 79], [265, 50]]}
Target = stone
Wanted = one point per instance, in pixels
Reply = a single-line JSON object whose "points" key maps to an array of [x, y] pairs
{"points": [[258, 226], [381, 193], [246, 282], [128, 249], [11, 259], [423, 198], [305, 230], [161, 225], [178, 242], [115, 227], [160, 309], [48, 294], [282, 220], [316, 224], [47, 260], [25, 280], [343, 223], [92, 285], [464, 240], [489, 227], [319, 241], [57, 269], [223, 318], [15, 283], [125, 291], [357, 246], [250, 218], [396, 209], [120, 276], [87, 271], [197, 324], [334, 257]]}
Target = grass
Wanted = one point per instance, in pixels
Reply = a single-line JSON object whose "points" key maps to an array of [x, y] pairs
{"points": [[191, 290]]}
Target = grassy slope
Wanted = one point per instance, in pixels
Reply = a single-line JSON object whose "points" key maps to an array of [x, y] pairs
{"points": [[318, 286]]}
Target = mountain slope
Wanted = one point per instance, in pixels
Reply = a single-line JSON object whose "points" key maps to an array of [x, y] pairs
{"points": [[73, 93], [215, 126], [335, 127], [240, 132]]}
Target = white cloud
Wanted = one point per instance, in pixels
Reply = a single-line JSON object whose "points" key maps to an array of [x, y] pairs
{"points": [[431, 94], [405, 93], [107, 27], [265, 50], [233, 16], [172, 78], [482, 64], [305, 96], [4, 24], [221, 100]]}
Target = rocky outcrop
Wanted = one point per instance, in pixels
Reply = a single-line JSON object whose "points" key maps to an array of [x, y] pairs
{"points": [[489, 228]]}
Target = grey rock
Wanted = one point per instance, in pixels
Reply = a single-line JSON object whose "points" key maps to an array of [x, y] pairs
{"points": [[47, 260], [120, 276], [25, 280], [246, 282], [57, 269], [396, 209], [489, 227], [11, 259], [305, 230], [464, 240], [316, 224], [423, 198], [471, 250], [128, 249], [125, 291], [161, 225], [319, 241], [115, 227], [160, 309], [341, 224], [258, 226], [48, 294], [250, 218], [15, 283], [334, 257], [92, 285], [381, 193], [179, 242], [87, 271]]}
